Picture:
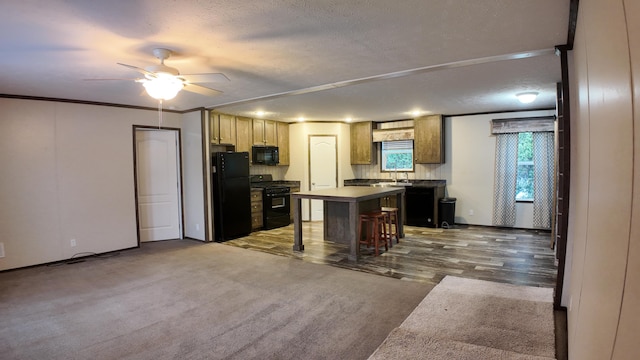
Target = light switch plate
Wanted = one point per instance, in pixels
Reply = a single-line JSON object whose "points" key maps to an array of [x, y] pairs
{"points": [[1, 249]]}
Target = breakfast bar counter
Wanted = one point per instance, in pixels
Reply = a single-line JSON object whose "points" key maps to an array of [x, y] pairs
{"points": [[341, 208]]}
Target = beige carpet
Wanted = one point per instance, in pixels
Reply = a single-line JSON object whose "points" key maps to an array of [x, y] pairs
{"points": [[475, 319]]}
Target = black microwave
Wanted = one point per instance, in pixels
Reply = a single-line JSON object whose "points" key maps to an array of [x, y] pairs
{"points": [[265, 155]]}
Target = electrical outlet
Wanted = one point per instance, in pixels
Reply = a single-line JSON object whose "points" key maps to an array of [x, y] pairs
{"points": [[471, 212], [73, 242], [1, 249]]}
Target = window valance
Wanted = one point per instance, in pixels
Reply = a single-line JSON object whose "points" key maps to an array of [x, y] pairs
{"points": [[517, 125]]}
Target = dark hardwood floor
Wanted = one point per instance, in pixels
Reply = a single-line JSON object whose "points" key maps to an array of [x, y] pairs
{"points": [[515, 256]]}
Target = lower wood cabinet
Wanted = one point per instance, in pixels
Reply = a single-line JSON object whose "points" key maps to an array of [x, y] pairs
{"points": [[256, 209], [389, 201]]}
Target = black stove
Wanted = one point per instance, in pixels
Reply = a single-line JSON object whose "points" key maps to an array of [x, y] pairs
{"points": [[276, 201]]}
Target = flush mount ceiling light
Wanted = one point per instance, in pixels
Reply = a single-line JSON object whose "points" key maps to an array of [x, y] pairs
{"points": [[527, 97]]}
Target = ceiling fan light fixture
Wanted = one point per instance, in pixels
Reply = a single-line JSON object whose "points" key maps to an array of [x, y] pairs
{"points": [[163, 87], [527, 97]]}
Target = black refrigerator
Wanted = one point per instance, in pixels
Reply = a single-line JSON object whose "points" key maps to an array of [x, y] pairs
{"points": [[231, 195]]}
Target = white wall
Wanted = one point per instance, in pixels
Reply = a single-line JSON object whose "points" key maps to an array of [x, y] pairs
{"points": [[470, 151], [193, 176], [299, 159], [67, 173], [602, 282]]}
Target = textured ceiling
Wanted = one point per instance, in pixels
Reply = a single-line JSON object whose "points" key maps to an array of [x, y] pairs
{"points": [[49, 48]]}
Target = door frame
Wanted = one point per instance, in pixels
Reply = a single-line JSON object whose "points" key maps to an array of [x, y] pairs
{"points": [[309, 162], [178, 132]]}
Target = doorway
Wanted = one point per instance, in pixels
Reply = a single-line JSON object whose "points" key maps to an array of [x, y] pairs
{"points": [[323, 169], [157, 183]]}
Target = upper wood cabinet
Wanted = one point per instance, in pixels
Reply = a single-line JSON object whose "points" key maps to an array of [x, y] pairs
{"points": [[244, 134], [265, 132], [223, 129], [283, 142], [429, 140], [362, 146]]}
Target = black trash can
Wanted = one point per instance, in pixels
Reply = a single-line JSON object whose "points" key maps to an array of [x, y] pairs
{"points": [[446, 212]]}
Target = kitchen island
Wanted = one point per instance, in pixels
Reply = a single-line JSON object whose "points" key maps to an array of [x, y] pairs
{"points": [[341, 208]]}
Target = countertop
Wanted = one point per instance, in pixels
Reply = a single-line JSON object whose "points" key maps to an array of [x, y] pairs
{"points": [[262, 185], [349, 193], [414, 182]]}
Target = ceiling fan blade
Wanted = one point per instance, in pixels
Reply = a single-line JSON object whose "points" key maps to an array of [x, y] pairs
{"points": [[101, 79], [205, 78], [198, 89], [140, 70]]}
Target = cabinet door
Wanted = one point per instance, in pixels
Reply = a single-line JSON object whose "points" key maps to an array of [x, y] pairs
{"points": [[258, 132], [227, 129], [362, 147], [429, 140], [243, 138], [214, 127], [270, 133], [283, 142]]}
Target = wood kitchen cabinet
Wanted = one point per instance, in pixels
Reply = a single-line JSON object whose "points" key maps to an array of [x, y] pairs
{"points": [[283, 142], [244, 134], [428, 143], [389, 201], [362, 146], [257, 221], [265, 132], [223, 129]]}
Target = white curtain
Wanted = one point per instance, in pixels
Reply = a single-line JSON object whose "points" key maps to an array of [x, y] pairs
{"points": [[504, 193], [543, 172]]}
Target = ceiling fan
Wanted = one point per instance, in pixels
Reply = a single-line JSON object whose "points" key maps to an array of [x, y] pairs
{"points": [[163, 82]]}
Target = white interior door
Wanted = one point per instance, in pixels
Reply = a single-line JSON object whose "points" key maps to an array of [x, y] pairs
{"points": [[158, 184], [323, 168]]}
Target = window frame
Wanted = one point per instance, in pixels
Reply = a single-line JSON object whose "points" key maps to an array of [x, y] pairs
{"points": [[383, 160]]}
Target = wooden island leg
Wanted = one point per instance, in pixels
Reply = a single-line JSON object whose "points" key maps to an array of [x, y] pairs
{"points": [[354, 248], [401, 216], [297, 225]]}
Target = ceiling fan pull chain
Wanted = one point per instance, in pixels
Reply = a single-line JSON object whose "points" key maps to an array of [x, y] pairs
{"points": [[159, 114]]}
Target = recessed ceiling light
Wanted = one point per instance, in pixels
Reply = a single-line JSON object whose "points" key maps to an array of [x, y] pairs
{"points": [[416, 112], [260, 113], [527, 97], [348, 119], [301, 119]]}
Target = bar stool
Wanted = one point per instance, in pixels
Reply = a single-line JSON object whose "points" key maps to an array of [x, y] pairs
{"points": [[375, 221], [392, 218]]}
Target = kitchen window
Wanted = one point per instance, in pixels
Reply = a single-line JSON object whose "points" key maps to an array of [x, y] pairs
{"points": [[397, 155]]}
